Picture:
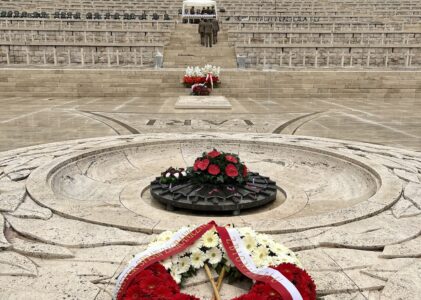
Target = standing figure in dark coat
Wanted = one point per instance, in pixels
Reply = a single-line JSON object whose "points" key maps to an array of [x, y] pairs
{"points": [[208, 33], [202, 31], [215, 28], [192, 12]]}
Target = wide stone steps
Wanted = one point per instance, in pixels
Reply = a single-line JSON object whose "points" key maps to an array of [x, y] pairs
{"points": [[185, 50]]}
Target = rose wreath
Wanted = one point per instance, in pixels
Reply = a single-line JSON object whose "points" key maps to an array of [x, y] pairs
{"points": [[173, 257]]}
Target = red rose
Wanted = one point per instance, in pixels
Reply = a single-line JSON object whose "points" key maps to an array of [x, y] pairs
{"points": [[214, 170], [231, 171], [231, 158], [245, 171], [214, 153]]}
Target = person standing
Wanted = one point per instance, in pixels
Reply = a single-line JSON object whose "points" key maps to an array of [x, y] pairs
{"points": [[215, 30], [202, 31], [208, 33], [192, 12]]}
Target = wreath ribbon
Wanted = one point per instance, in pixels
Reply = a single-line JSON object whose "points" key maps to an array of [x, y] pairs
{"points": [[232, 244]]}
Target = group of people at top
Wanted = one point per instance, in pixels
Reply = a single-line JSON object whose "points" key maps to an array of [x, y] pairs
{"points": [[208, 30], [204, 11]]}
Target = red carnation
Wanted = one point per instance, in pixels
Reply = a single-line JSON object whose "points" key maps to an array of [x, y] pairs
{"points": [[245, 171], [204, 164], [214, 170], [214, 153], [201, 164], [231, 158], [231, 171]]}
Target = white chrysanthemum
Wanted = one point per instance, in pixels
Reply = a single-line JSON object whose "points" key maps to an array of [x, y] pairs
{"points": [[214, 256], [246, 231], [196, 246], [165, 236], [175, 276], [260, 256], [210, 239], [249, 242], [264, 239], [167, 263], [182, 266], [197, 259]]}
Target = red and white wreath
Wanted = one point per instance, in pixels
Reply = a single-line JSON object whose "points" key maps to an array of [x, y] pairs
{"points": [[158, 272]]}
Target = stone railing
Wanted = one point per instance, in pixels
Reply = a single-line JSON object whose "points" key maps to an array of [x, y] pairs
{"points": [[328, 56]]}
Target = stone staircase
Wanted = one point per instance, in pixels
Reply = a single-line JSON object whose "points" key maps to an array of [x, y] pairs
{"points": [[185, 49]]}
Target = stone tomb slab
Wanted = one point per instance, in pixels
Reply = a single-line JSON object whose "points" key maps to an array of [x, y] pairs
{"points": [[203, 102]]}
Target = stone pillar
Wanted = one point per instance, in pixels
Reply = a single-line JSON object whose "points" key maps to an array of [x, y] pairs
{"points": [[304, 59], [368, 58], [328, 59], [93, 57], [135, 56], [407, 59], [69, 57], [7, 55], [82, 57], [343, 59], [290, 59], [55, 56], [27, 56], [141, 57], [118, 57], [45, 57], [108, 57], [281, 57], [85, 37], [350, 59], [316, 57], [386, 59]]}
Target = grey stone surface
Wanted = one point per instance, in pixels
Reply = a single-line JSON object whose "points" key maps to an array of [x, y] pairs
{"points": [[411, 248], [411, 177], [72, 233], [29, 209], [10, 200], [405, 284], [413, 193], [14, 264], [3, 241], [34, 249]]}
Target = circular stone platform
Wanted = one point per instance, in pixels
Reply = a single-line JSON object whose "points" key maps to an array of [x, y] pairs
{"points": [[73, 213], [106, 185]]}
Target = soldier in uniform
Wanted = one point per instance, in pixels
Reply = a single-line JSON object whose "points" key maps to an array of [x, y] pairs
{"points": [[208, 33], [215, 30], [202, 31]]}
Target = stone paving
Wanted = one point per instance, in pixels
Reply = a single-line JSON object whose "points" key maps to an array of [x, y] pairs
{"points": [[74, 213]]}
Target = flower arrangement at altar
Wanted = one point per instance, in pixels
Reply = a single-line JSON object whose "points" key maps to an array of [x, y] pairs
{"points": [[218, 168], [234, 253], [209, 75], [212, 167]]}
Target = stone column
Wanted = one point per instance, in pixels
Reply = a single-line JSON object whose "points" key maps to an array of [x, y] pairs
{"points": [[118, 57], [343, 59], [55, 56], [290, 59], [82, 57], [386, 60], [135, 56], [69, 57], [316, 57], [45, 57], [108, 57], [93, 57], [7, 55], [27, 56], [368, 58]]}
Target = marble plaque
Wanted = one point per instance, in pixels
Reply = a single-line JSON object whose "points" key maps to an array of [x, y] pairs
{"points": [[203, 102]]}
